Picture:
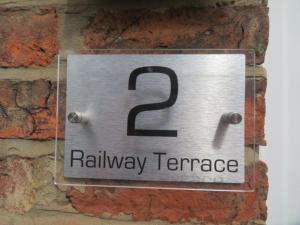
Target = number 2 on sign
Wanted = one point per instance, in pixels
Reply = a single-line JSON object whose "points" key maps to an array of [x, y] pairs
{"points": [[131, 130]]}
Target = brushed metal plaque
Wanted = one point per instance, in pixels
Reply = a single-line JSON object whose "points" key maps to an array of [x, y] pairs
{"points": [[205, 149]]}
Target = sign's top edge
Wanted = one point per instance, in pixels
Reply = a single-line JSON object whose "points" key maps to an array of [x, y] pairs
{"points": [[158, 51], [167, 49], [157, 54]]}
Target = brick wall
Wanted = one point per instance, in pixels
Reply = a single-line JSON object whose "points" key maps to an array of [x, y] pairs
{"points": [[33, 32]]}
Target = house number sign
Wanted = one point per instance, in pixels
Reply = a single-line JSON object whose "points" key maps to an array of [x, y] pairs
{"points": [[155, 117]]}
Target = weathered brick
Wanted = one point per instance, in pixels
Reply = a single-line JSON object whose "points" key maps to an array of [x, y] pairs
{"points": [[28, 183], [28, 148], [41, 217], [177, 206], [32, 95], [243, 27], [29, 110], [28, 36], [15, 190], [46, 217], [255, 108], [137, 4], [45, 120], [14, 121]]}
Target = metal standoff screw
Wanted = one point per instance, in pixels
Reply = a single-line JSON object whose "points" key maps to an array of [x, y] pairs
{"points": [[232, 118], [75, 117]]}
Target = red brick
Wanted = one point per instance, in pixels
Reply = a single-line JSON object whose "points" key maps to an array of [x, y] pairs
{"points": [[243, 27], [177, 206], [45, 120], [33, 94], [28, 36], [29, 110], [14, 121], [255, 108]]}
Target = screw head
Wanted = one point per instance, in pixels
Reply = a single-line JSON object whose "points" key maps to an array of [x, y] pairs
{"points": [[74, 117], [235, 118], [232, 118]]}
